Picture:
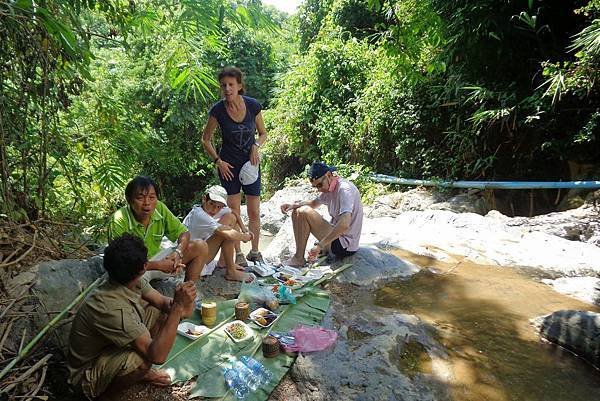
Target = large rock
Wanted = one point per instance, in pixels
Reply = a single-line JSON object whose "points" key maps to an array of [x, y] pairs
{"points": [[271, 218], [445, 235], [581, 224], [462, 203], [55, 284], [398, 202], [577, 331]]}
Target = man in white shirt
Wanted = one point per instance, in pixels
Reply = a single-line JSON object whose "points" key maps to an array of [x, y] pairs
{"points": [[213, 222], [341, 236]]}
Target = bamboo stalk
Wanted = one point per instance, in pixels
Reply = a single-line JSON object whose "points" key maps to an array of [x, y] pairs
{"points": [[51, 324], [331, 275]]}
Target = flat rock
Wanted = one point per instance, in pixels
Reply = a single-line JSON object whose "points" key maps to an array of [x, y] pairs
{"points": [[370, 265]]}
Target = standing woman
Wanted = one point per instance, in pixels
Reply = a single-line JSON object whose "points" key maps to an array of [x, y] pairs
{"points": [[239, 117]]}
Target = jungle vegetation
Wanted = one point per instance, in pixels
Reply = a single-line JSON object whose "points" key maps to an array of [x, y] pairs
{"points": [[94, 92]]}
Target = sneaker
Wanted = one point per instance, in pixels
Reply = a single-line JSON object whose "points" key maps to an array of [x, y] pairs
{"points": [[240, 259], [255, 256]]}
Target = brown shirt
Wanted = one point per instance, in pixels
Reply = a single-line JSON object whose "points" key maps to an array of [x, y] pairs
{"points": [[111, 316]]}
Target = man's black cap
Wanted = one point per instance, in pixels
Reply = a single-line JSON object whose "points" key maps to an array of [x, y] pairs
{"points": [[318, 170]]}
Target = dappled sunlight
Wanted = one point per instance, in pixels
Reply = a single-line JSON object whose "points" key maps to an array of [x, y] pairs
{"points": [[481, 316]]}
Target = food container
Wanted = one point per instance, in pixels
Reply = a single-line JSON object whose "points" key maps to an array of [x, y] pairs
{"points": [[242, 311], [263, 317], [270, 347], [191, 330], [283, 277], [292, 271], [238, 331], [209, 312], [263, 270]]}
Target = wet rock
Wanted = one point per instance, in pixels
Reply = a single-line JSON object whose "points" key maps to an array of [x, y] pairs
{"points": [[362, 364], [577, 331]]}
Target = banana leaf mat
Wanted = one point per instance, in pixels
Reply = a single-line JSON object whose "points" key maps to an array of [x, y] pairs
{"points": [[206, 356]]}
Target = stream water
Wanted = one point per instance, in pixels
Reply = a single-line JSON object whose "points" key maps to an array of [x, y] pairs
{"points": [[481, 316]]}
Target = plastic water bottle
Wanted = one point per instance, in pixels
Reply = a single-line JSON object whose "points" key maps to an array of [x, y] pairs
{"points": [[250, 379], [236, 383], [258, 369]]}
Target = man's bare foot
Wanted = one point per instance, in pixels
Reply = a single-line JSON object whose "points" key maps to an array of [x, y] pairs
{"points": [[236, 275], [158, 378], [294, 262]]}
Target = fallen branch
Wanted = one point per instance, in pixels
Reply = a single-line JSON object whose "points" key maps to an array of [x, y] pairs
{"points": [[24, 254], [51, 324], [39, 386], [25, 375], [12, 254]]}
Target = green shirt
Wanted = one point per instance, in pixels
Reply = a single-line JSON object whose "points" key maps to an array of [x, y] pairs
{"points": [[162, 223], [111, 316]]}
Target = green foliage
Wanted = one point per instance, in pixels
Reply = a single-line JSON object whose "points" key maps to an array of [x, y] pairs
{"points": [[96, 92], [311, 16]]}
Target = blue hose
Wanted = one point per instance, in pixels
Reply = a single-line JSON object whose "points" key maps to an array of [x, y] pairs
{"points": [[488, 184]]}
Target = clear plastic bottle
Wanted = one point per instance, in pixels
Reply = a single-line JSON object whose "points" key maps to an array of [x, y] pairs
{"points": [[250, 379], [236, 383], [258, 369]]}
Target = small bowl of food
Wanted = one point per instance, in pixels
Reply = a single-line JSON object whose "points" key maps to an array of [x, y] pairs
{"points": [[191, 330], [263, 317], [238, 331]]}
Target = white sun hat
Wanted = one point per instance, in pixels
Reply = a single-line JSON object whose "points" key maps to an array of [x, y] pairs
{"points": [[217, 193], [248, 173]]}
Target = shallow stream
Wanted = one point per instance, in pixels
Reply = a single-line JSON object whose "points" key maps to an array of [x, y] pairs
{"points": [[481, 316]]}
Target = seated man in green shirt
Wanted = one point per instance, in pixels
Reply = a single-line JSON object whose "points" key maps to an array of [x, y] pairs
{"points": [[149, 219], [114, 339]]}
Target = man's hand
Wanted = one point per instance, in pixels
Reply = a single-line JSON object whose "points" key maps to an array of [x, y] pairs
{"points": [[286, 207], [314, 252], [249, 236], [174, 263], [185, 294]]}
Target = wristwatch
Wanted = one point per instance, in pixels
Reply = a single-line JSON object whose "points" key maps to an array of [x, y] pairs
{"points": [[257, 144]]}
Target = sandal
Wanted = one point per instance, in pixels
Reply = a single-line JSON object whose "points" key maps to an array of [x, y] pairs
{"points": [[255, 256], [240, 259]]}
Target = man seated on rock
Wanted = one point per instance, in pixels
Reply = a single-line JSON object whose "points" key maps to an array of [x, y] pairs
{"points": [[341, 236], [149, 219], [115, 340], [214, 223]]}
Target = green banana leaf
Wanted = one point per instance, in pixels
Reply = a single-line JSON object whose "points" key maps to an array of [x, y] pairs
{"points": [[209, 354]]}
